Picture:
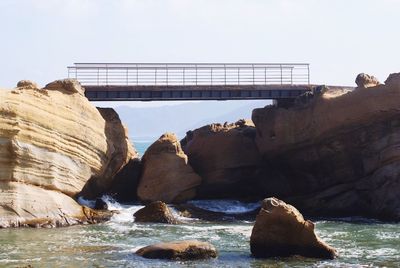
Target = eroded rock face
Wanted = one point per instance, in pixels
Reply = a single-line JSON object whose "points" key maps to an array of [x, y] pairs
{"points": [[227, 159], [179, 250], [280, 231], [336, 156], [393, 80], [119, 153], [157, 212], [52, 141], [166, 174], [364, 81]]}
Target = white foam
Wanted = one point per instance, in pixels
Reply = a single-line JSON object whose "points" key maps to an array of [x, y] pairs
{"points": [[225, 206], [86, 202]]}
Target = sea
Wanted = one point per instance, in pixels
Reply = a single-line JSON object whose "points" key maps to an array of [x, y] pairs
{"points": [[360, 242]]}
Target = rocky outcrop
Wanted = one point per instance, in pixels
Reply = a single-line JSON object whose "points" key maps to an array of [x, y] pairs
{"points": [[157, 212], [227, 159], [125, 183], [179, 250], [166, 174], [364, 81], [280, 230], [52, 141], [393, 80], [338, 155], [119, 153]]}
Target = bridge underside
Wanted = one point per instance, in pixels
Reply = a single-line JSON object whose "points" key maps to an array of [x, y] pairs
{"points": [[180, 92]]}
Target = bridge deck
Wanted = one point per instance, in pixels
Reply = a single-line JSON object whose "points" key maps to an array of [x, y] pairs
{"points": [[157, 93], [191, 81]]}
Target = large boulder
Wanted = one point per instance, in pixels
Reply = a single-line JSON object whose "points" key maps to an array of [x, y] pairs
{"points": [[179, 250], [52, 142], [280, 231], [166, 174], [365, 80], [337, 155], [125, 183], [227, 159], [157, 212], [119, 153]]}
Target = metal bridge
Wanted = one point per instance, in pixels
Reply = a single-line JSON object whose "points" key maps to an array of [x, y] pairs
{"points": [[191, 81]]}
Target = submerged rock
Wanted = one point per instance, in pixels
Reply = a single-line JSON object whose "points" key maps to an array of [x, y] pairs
{"points": [[157, 212], [336, 156], [179, 250], [227, 159], [280, 230], [52, 141], [192, 211], [166, 174]]}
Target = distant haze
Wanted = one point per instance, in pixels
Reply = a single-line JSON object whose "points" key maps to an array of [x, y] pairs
{"points": [[148, 123]]}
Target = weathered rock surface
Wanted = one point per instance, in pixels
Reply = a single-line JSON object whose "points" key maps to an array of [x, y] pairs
{"points": [[166, 174], [52, 141], [118, 154], [227, 159], [125, 183], [393, 80], [157, 212], [364, 81], [179, 250], [280, 230], [338, 155]]}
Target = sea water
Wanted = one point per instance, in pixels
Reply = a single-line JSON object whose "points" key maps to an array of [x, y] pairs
{"points": [[360, 242]]}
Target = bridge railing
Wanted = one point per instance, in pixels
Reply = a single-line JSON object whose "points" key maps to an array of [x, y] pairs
{"points": [[165, 74]]}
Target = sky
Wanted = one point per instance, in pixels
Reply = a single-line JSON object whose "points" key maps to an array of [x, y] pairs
{"points": [[339, 38]]}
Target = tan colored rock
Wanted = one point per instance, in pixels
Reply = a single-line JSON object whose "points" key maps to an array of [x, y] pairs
{"points": [[226, 157], [364, 81], [52, 141], [280, 230], [69, 86], [179, 250], [119, 153], [166, 175], [335, 156], [157, 212], [27, 84], [25, 205]]}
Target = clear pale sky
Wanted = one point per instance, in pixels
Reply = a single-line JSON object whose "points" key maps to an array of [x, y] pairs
{"points": [[39, 38]]}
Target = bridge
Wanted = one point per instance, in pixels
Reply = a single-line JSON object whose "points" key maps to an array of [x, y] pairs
{"points": [[192, 81]]}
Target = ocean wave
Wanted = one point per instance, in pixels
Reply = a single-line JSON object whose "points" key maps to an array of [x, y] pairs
{"points": [[225, 206]]}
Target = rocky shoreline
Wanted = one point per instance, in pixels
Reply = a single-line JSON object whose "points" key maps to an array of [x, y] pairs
{"points": [[332, 153]]}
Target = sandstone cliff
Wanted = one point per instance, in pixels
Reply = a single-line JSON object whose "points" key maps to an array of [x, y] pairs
{"points": [[227, 159], [166, 174], [52, 142], [337, 155]]}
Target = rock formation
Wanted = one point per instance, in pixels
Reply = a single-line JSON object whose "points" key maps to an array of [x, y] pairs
{"points": [[166, 174], [280, 230], [365, 81], [125, 183], [52, 141], [157, 212], [337, 155], [227, 159], [179, 250]]}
